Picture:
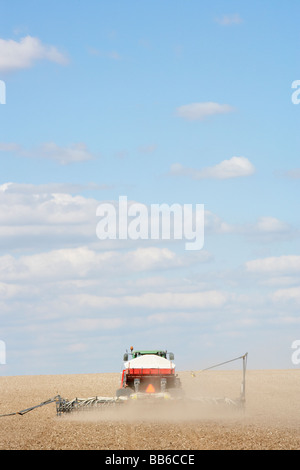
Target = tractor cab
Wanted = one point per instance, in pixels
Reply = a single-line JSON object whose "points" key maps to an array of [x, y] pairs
{"points": [[155, 352]]}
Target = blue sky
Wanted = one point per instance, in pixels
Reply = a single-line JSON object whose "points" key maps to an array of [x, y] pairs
{"points": [[184, 102]]}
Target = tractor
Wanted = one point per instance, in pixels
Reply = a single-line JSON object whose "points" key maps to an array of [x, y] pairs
{"points": [[149, 372]]}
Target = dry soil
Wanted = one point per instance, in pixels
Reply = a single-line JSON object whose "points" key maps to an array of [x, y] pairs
{"points": [[270, 421]]}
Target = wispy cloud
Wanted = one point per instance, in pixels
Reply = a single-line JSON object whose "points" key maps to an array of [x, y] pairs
{"points": [[292, 174], [233, 168], [114, 55], [147, 149], [200, 111], [229, 20], [64, 155], [23, 189], [16, 55], [77, 152]]}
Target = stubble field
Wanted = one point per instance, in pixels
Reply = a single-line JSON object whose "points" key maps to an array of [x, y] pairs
{"points": [[271, 420]]}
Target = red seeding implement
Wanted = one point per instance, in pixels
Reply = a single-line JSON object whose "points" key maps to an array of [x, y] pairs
{"points": [[146, 375]]}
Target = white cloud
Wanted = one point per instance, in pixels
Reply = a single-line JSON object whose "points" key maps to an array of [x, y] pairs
{"points": [[233, 168], [154, 300], [35, 217], [271, 225], [23, 54], [85, 263], [93, 324], [22, 205], [47, 216], [266, 229], [291, 294], [214, 224], [84, 287], [199, 111], [275, 264]]}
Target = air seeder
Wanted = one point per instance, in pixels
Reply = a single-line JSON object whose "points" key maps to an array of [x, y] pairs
{"points": [[146, 375], [150, 375]]}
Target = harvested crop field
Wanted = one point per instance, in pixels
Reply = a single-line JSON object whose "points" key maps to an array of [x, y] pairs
{"points": [[271, 419]]}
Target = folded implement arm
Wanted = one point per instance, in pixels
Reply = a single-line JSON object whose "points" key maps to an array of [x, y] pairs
{"points": [[27, 410]]}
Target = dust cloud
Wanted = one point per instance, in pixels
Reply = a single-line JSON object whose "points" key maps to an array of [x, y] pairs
{"points": [[268, 401]]}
